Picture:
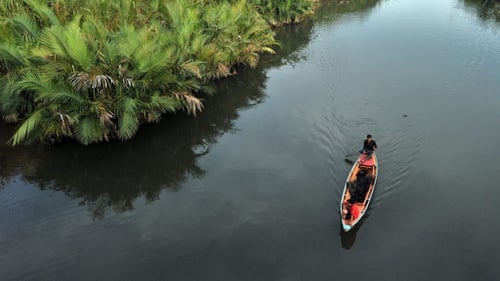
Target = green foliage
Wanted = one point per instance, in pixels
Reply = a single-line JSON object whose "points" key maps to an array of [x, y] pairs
{"points": [[278, 12], [95, 70], [29, 127], [89, 130], [127, 109]]}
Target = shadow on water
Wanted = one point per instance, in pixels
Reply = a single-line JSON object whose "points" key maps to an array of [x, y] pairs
{"points": [[484, 9], [161, 156], [347, 238]]}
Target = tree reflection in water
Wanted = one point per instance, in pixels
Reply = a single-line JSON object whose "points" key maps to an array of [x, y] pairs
{"points": [[486, 10], [161, 156], [113, 175]]}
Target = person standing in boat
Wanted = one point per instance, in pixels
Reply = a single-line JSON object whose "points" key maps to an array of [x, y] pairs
{"points": [[369, 145]]}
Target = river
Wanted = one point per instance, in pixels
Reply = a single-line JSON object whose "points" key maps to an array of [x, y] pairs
{"points": [[250, 189]]}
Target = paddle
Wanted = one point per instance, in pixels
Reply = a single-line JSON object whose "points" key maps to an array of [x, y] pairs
{"points": [[349, 161], [352, 154]]}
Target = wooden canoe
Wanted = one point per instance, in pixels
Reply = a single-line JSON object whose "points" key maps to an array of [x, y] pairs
{"points": [[352, 212]]}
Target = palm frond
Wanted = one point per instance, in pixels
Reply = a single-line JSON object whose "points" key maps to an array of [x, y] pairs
{"points": [[191, 103], [84, 81], [164, 104], [192, 67], [61, 96], [14, 101], [26, 131], [43, 11], [11, 54], [28, 25], [76, 45], [68, 45], [31, 81], [105, 114], [128, 121], [89, 130]]}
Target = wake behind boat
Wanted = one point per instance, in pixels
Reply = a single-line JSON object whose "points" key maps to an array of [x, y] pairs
{"points": [[358, 190]]}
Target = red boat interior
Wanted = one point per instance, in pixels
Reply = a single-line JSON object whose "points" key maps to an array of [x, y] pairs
{"points": [[352, 211]]}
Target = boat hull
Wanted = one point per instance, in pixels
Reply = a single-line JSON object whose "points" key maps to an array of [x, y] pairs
{"points": [[352, 212]]}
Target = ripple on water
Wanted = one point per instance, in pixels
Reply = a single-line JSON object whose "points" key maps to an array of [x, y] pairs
{"points": [[402, 146], [339, 132]]}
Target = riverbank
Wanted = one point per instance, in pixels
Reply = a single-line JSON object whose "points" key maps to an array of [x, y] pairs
{"points": [[95, 71]]}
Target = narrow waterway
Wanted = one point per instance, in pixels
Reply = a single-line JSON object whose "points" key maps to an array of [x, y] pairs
{"points": [[250, 189]]}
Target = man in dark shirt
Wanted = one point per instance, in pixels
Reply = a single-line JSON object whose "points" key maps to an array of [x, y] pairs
{"points": [[369, 145]]}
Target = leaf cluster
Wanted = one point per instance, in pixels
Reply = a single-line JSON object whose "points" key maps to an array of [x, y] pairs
{"points": [[96, 70]]}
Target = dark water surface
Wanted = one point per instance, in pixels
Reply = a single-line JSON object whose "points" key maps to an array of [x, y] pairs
{"points": [[250, 189]]}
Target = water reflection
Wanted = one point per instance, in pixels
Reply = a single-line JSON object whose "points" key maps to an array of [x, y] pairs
{"points": [[332, 11], [161, 156], [485, 9]]}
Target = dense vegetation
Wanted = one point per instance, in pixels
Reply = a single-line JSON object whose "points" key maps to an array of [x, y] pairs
{"points": [[169, 151], [95, 70], [111, 181]]}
